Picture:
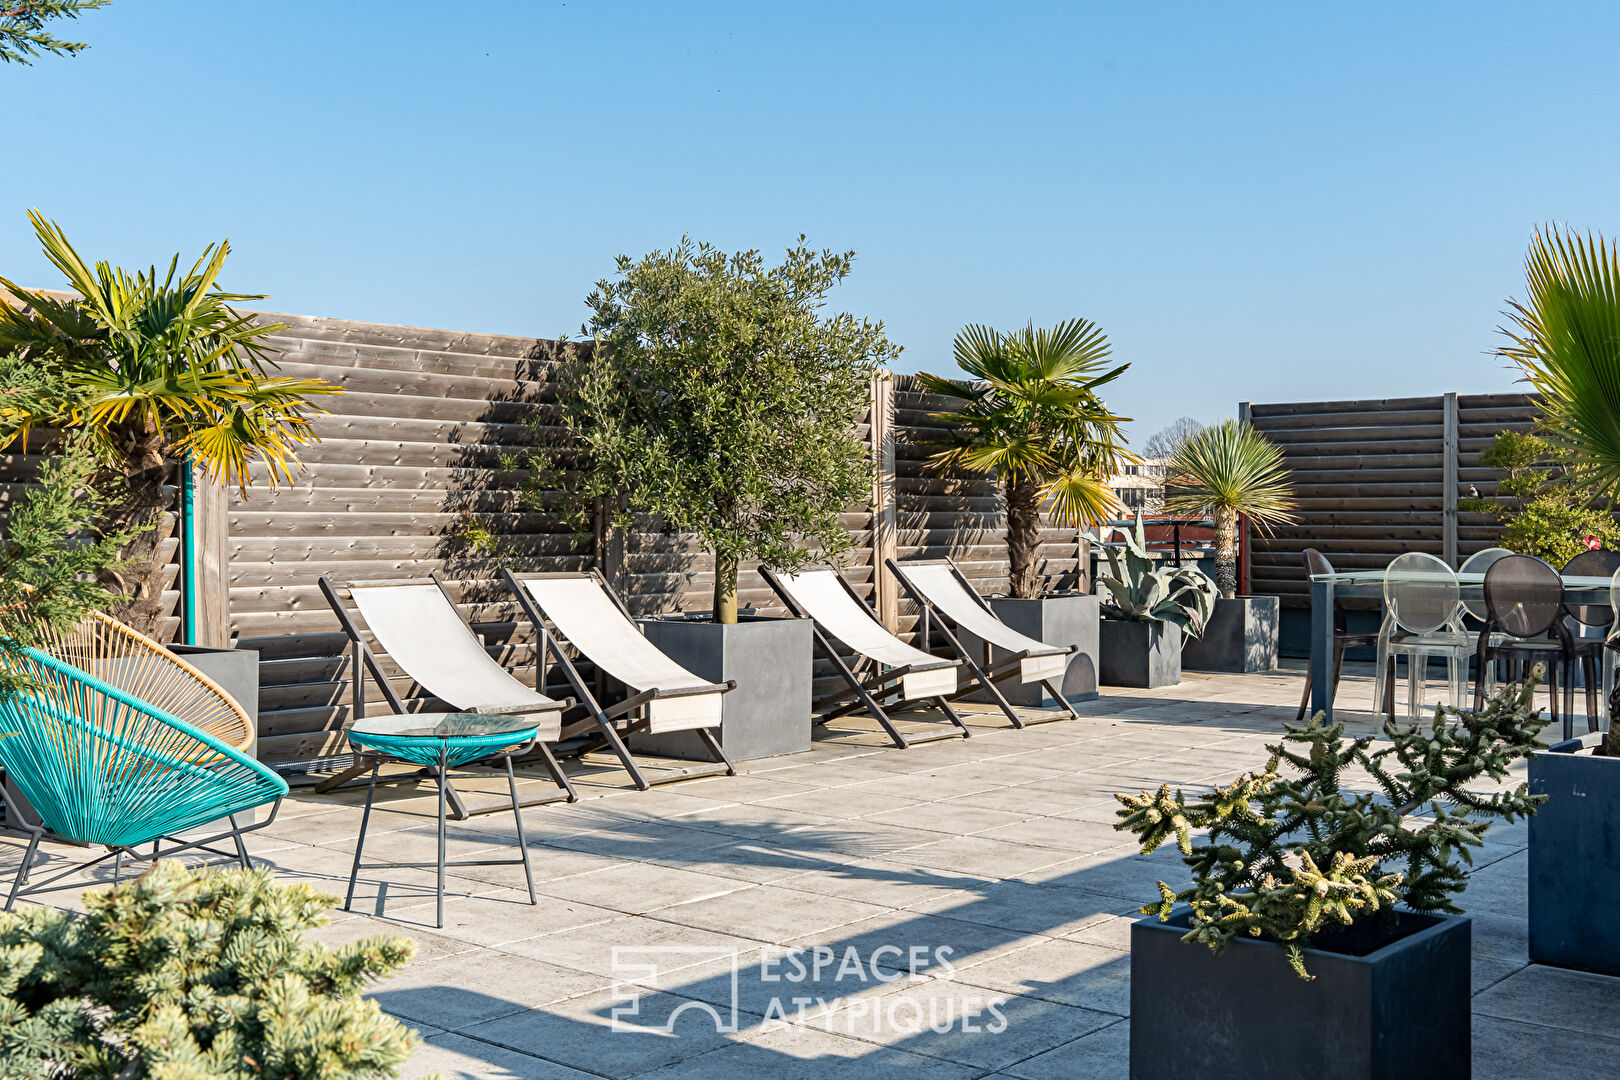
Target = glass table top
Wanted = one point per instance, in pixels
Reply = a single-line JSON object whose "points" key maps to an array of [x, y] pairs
{"points": [[443, 725]]}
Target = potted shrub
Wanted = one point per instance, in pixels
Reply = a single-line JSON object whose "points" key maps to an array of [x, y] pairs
{"points": [[717, 399], [1334, 949], [1148, 612], [1030, 415], [1562, 338], [1223, 472], [160, 375]]}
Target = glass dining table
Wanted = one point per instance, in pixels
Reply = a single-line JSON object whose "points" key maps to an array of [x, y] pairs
{"points": [[1328, 589]]}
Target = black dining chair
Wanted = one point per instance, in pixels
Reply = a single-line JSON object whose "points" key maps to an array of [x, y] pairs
{"points": [[1591, 626], [1524, 623], [1317, 563]]}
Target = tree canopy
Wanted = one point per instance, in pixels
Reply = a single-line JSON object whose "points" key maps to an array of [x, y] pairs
{"points": [[23, 33]]}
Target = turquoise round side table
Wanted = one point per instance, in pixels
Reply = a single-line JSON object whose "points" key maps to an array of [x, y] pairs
{"points": [[441, 741]]}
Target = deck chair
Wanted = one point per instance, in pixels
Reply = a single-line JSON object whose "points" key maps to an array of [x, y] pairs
{"points": [[944, 596], [899, 676], [416, 622], [582, 610]]}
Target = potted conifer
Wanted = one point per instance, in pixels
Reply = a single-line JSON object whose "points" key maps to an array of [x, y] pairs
{"points": [[1029, 414], [1227, 471], [1318, 937], [717, 399]]}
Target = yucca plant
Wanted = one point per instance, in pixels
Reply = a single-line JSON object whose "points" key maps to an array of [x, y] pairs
{"points": [[152, 369], [1226, 470], [1030, 414]]}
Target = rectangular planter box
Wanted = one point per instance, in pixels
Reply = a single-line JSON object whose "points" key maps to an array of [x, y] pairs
{"points": [[771, 660], [1575, 858], [1399, 1012], [1052, 620], [1241, 636], [1144, 654]]}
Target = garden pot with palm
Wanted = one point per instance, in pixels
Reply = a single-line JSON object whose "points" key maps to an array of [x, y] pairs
{"points": [[1229, 471], [1029, 415]]}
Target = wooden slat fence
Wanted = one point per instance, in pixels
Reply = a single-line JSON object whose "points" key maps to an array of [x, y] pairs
{"points": [[1379, 477]]}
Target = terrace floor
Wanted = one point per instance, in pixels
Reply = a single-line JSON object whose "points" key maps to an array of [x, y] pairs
{"points": [[999, 849]]}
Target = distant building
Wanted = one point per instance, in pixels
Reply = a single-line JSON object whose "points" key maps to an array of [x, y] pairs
{"points": [[1141, 487]]}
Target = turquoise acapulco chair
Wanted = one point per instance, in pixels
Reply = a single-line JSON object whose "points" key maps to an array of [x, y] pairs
{"points": [[102, 767]]}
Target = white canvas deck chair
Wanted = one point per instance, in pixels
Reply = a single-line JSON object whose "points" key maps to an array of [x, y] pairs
{"points": [[945, 598], [417, 623], [889, 676], [581, 609]]}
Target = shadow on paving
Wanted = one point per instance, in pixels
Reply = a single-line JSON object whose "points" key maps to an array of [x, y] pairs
{"points": [[963, 989]]}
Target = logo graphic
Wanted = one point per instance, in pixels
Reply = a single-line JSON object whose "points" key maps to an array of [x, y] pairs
{"points": [[638, 971]]}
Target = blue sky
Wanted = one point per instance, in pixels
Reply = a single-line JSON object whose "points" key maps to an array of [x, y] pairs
{"points": [[1256, 202]]}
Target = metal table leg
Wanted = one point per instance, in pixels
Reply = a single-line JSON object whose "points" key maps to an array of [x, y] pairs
{"points": [[1322, 671]]}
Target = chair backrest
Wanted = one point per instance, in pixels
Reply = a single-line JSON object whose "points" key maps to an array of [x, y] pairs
{"points": [[103, 767], [1524, 595], [1316, 563], [1478, 563], [1598, 563], [589, 618], [421, 629], [1421, 593], [937, 580], [821, 594], [120, 656]]}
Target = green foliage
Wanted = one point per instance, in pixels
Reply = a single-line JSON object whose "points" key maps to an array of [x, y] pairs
{"points": [[1544, 512], [22, 28], [1565, 337], [49, 559], [194, 976], [1030, 414], [1226, 470], [149, 369], [1288, 853], [718, 399], [1141, 589]]}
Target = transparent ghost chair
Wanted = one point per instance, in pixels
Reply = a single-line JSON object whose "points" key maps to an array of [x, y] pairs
{"points": [[1590, 626], [1473, 600], [1524, 602], [1422, 618]]}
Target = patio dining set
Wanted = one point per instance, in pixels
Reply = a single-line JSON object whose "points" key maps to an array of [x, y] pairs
{"points": [[1498, 615], [116, 741]]}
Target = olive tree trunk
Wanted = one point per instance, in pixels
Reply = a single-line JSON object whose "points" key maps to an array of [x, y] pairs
{"points": [[1226, 520], [725, 588], [1023, 536]]}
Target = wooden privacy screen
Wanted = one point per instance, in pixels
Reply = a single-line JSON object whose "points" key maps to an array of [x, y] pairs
{"points": [[412, 454], [1377, 478]]}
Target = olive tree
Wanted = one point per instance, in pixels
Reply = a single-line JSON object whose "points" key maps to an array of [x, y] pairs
{"points": [[719, 398]]}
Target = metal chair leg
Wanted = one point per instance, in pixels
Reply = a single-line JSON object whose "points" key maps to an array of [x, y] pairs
{"points": [[1305, 698], [22, 871], [523, 844], [241, 848], [444, 782], [360, 841]]}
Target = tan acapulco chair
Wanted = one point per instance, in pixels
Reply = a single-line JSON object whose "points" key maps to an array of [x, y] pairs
{"points": [[125, 659]]}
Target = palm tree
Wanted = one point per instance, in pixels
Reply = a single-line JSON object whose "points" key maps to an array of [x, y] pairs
{"points": [[1224, 471], [1566, 339], [1031, 416], [151, 370]]}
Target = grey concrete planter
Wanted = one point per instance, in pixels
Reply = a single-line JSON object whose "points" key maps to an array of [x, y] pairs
{"points": [[1574, 871], [1069, 619], [1144, 654], [1379, 1008], [1241, 636], [771, 660]]}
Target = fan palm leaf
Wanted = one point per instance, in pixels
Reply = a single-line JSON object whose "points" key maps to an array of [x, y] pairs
{"points": [[1226, 470]]}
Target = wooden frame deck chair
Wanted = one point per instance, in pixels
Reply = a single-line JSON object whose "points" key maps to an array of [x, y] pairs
{"points": [[582, 610], [99, 766], [417, 623], [945, 597], [890, 675]]}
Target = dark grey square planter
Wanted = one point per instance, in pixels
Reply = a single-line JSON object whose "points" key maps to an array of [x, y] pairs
{"points": [[1052, 620], [771, 660], [1398, 1012], [1241, 636], [1145, 654], [1575, 858]]}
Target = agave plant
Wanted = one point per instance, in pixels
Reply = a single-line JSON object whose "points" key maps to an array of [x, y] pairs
{"points": [[1030, 415], [1140, 590], [1223, 471], [150, 368]]}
